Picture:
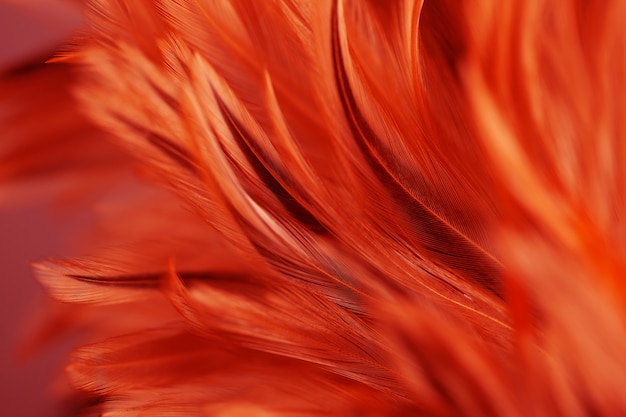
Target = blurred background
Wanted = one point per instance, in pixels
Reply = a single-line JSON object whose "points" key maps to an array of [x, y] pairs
{"points": [[30, 31]]}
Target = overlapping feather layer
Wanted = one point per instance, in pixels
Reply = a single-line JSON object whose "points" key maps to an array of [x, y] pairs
{"points": [[366, 208]]}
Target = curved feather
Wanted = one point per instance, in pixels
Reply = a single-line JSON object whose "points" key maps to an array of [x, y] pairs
{"points": [[390, 208]]}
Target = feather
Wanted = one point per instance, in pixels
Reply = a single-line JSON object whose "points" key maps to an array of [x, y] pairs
{"points": [[352, 207], [60, 145]]}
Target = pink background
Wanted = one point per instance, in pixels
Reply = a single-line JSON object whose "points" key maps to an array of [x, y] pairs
{"points": [[28, 233]]}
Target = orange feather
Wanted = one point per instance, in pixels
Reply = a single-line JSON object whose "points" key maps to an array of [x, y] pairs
{"points": [[348, 207]]}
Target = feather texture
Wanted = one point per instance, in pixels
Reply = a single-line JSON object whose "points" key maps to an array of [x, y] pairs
{"points": [[366, 208]]}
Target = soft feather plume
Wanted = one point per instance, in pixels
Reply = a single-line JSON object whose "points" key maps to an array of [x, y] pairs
{"points": [[349, 207]]}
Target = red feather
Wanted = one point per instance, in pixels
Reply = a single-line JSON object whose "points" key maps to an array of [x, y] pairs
{"points": [[349, 207]]}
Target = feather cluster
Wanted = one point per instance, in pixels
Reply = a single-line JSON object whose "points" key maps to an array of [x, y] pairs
{"points": [[341, 207]]}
